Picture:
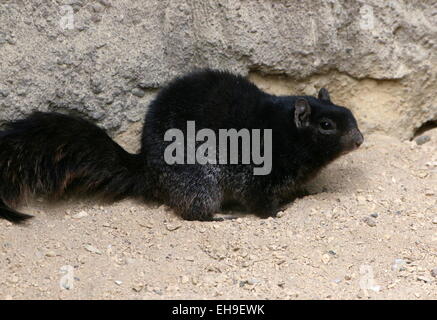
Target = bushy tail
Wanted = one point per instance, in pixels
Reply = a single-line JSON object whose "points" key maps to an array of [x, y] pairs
{"points": [[11, 214], [51, 154]]}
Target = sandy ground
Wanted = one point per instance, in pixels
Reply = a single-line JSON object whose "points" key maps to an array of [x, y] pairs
{"points": [[368, 231]]}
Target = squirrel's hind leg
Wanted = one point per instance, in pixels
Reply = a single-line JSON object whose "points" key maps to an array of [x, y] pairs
{"points": [[262, 205], [193, 195]]}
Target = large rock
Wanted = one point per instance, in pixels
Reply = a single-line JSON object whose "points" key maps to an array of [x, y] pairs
{"points": [[106, 59]]}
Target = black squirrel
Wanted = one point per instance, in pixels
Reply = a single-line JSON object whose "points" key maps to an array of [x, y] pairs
{"points": [[52, 154]]}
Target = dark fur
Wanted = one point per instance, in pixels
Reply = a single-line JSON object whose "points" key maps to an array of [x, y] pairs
{"points": [[52, 154]]}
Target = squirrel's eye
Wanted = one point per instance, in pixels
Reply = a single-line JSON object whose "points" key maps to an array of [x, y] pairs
{"points": [[327, 125]]}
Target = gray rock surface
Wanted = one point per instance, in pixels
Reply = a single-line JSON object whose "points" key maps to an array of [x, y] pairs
{"points": [[106, 59]]}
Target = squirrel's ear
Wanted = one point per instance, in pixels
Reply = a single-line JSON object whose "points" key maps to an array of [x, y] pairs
{"points": [[302, 112], [324, 94]]}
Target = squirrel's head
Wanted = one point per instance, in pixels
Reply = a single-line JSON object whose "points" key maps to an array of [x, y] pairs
{"points": [[330, 127]]}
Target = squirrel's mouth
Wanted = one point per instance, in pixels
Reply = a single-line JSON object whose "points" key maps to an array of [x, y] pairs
{"points": [[351, 140]]}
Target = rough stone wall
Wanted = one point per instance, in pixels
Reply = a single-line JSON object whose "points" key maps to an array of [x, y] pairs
{"points": [[106, 59]]}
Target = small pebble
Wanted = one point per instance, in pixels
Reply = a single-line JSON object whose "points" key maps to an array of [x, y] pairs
{"points": [[67, 280], [106, 3], [92, 249], [424, 279], [371, 222], [138, 92], [326, 258], [399, 265], [253, 281], [157, 291], [97, 7], [80, 215], [4, 92], [422, 139], [184, 279], [280, 214], [11, 41], [173, 227], [374, 215], [81, 259], [137, 287], [50, 254], [429, 192], [434, 272]]}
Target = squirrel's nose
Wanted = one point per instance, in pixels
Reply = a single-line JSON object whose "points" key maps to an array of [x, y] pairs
{"points": [[359, 139]]}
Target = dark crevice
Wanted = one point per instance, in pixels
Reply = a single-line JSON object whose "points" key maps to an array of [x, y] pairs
{"points": [[425, 127]]}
